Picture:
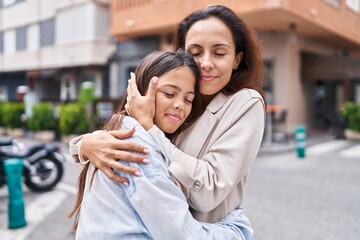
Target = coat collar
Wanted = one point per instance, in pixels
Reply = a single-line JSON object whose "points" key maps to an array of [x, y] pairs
{"points": [[205, 125], [217, 103]]}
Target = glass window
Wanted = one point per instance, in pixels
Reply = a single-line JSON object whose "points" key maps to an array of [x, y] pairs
{"points": [[334, 3], [47, 33], [9, 41], [353, 5], [8, 2], [1, 42], [33, 37], [21, 36], [269, 76], [4, 96]]}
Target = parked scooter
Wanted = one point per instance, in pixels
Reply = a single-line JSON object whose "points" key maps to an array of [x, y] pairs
{"points": [[43, 167]]}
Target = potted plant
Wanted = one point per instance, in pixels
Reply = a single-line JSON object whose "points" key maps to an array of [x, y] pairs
{"points": [[72, 120], [350, 112], [13, 118], [42, 121]]}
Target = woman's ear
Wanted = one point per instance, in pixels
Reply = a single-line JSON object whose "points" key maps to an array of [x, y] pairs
{"points": [[237, 60]]}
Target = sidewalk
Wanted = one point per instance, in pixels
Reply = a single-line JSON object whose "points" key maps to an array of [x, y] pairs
{"points": [[290, 144], [266, 147]]}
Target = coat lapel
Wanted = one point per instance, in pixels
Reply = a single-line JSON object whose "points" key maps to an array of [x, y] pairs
{"points": [[196, 137]]}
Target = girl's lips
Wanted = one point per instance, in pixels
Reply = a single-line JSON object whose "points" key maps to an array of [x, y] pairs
{"points": [[207, 78], [173, 117]]}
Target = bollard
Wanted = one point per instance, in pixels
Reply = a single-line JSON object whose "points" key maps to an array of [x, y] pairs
{"points": [[16, 209], [300, 136]]}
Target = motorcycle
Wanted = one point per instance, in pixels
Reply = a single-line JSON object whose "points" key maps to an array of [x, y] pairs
{"points": [[43, 167]]}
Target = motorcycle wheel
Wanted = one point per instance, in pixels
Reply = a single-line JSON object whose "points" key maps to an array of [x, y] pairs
{"points": [[45, 174]]}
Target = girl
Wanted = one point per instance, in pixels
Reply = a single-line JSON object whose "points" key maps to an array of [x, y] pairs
{"points": [[151, 206]]}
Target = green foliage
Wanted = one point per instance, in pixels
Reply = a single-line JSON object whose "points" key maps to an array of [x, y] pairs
{"points": [[2, 114], [86, 93], [350, 112], [42, 117], [72, 119], [12, 114]]}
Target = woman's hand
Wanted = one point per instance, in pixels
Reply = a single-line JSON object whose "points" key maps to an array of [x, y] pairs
{"points": [[105, 148], [142, 108]]}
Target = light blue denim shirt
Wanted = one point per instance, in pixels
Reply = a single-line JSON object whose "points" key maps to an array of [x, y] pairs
{"points": [[151, 207]]}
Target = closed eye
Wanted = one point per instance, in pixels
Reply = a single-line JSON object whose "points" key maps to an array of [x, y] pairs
{"points": [[188, 101], [168, 94]]}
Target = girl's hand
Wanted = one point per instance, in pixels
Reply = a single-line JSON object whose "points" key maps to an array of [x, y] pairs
{"points": [[142, 108], [106, 148]]}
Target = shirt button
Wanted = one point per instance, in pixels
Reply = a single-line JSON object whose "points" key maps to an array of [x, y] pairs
{"points": [[197, 184]]}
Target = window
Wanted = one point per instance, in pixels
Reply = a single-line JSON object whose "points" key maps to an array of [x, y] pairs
{"points": [[9, 41], [1, 42], [47, 33], [353, 5], [21, 36], [269, 76], [334, 3], [33, 37], [8, 2], [78, 23], [357, 93], [4, 96]]}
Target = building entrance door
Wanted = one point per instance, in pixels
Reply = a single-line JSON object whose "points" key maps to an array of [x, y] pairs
{"points": [[328, 97]]}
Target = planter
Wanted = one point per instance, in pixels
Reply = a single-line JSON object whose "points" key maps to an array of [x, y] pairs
{"points": [[16, 132], [46, 136], [352, 135]]}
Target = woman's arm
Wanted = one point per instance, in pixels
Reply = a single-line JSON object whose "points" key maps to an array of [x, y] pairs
{"points": [[101, 148], [227, 159]]}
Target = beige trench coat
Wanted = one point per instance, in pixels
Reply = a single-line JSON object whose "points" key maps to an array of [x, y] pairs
{"points": [[214, 156]]}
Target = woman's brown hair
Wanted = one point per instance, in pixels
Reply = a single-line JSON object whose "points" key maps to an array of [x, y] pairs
{"points": [[250, 72], [154, 64]]}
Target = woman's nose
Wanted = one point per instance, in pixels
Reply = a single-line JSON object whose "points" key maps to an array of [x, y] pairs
{"points": [[206, 63]]}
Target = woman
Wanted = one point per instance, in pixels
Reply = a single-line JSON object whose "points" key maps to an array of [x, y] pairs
{"points": [[110, 210], [211, 160]]}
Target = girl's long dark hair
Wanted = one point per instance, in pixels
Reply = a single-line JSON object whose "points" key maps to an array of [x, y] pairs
{"points": [[154, 64]]}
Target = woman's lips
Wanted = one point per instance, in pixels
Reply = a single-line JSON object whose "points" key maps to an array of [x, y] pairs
{"points": [[207, 78]]}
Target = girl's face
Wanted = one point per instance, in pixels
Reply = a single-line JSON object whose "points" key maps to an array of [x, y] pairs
{"points": [[211, 43], [174, 97]]}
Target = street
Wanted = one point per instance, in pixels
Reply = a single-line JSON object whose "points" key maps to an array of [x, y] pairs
{"points": [[313, 198], [286, 198]]}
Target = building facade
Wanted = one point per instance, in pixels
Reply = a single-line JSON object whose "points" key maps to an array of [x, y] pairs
{"points": [[54, 46], [311, 48]]}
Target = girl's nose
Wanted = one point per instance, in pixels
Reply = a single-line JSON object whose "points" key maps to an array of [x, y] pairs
{"points": [[178, 105]]}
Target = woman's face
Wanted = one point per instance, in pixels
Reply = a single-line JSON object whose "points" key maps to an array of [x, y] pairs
{"points": [[174, 97], [211, 43]]}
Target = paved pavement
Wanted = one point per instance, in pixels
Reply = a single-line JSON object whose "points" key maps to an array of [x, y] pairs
{"points": [[286, 198], [317, 197]]}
